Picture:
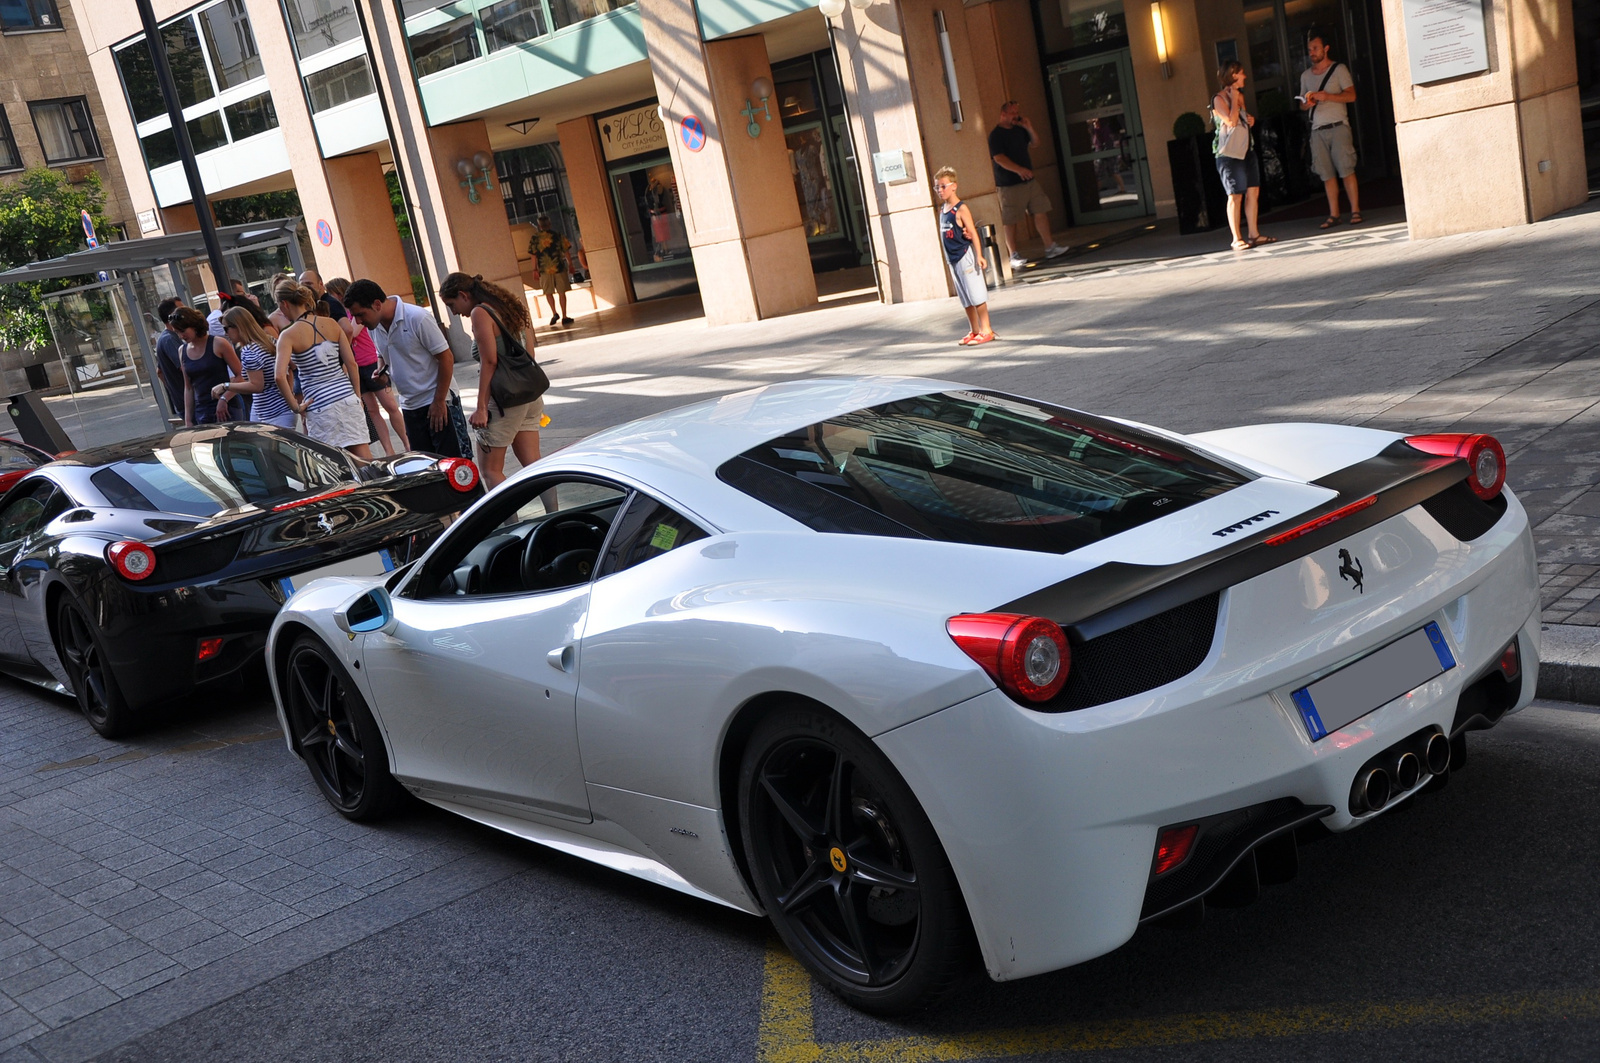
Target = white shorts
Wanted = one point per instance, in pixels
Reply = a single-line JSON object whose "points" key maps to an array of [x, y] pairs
{"points": [[340, 424], [969, 282]]}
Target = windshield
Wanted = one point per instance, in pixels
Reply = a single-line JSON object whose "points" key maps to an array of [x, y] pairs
{"points": [[977, 467], [13, 457], [202, 478]]}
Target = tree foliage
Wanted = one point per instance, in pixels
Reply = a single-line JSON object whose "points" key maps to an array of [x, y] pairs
{"points": [[263, 206], [39, 219]]}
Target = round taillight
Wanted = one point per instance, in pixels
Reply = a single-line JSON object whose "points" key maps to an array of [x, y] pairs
{"points": [[132, 560], [462, 474], [1485, 458], [1027, 656]]}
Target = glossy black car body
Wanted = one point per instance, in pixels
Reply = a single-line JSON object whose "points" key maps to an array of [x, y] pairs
{"points": [[232, 513]]}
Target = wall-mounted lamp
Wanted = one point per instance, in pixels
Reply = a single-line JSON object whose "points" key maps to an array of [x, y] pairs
{"points": [[760, 88], [481, 161], [835, 8], [1161, 39], [952, 87]]}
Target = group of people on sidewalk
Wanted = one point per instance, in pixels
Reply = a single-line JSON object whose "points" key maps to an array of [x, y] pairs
{"points": [[337, 360], [1326, 91]]}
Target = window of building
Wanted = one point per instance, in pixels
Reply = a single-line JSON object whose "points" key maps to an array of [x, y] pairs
{"points": [[10, 157], [444, 46], [249, 117], [65, 131], [567, 12], [206, 133], [1071, 25], [29, 15], [340, 83], [318, 25], [234, 58], [513, 22], [419, 7]]}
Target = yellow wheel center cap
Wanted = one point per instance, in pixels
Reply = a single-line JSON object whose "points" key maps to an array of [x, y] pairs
{"points": [[332, 729], [836, 858]]}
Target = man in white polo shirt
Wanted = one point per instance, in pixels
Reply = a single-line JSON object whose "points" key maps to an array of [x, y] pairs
{"points": [[420, 364]]}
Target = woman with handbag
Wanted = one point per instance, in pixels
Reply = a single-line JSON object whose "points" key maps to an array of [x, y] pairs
{"points": [[1237, 164], [510, 409]]}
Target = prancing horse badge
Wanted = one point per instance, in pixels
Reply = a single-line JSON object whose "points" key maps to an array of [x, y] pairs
{"points": [[1350, 569]]}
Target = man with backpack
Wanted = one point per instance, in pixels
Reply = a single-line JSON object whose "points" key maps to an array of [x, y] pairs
{"points": [[1326, 91]]}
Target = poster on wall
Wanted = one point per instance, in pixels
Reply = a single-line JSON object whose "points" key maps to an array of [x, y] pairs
{"points": [[634, 131], [1445, 39]]}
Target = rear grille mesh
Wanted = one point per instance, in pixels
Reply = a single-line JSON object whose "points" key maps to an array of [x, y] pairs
{"points": [[1142, 656]]}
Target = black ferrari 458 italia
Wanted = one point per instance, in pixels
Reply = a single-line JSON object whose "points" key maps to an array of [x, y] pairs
{"points": [[132, 573]]}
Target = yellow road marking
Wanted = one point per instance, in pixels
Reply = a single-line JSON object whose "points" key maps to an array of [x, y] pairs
{"points": [[788, 1035]]}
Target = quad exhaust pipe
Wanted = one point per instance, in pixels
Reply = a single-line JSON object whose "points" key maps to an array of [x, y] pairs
{"points": [[1436, 754], [1398, 770], [1370, 792]]}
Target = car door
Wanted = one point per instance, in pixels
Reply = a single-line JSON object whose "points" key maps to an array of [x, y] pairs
{"points": [[476, 680], [27, 509]]}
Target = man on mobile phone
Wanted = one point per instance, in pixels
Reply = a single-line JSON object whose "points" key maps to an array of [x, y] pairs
{"points": [[1010, 143], [1326, 91]]}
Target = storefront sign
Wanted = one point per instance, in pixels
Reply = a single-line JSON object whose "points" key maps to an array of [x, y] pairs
{"points": [[693, 132], [632, 132], [1445, 39], [147, 221], [893, 167]]}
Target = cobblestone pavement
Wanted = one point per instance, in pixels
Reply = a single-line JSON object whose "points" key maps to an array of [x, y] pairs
{"points": [[146, 880]]}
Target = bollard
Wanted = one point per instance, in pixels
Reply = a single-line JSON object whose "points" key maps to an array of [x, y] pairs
{"points": [[991, 257], [36, 425]]}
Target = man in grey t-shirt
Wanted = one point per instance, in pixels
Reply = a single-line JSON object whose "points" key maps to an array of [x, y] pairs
{"points": [[1327, 90], [420, 364]]}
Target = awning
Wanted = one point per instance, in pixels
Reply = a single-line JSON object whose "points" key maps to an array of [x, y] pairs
{"points": [[129, 255]]}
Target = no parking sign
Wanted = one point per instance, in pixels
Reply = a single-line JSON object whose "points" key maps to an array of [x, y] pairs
{"points": [[693, 132]]}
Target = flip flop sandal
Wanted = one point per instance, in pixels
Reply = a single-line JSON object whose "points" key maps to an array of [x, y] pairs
{"points": [[967, 339], [987, 337], [1242, 245], [1259, 240], [1355, 219], [1330, 223]]}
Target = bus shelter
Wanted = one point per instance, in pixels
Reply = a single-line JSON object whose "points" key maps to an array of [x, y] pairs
{"points": [[100, 380]]}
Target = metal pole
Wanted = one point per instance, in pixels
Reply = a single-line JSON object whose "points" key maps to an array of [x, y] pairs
{"points": [[180, 133]]}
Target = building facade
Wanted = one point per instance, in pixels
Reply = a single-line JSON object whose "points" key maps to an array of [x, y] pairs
{"points": [[744, 149]]}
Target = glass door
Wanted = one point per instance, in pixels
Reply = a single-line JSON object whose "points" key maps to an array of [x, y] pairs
{"points": [[653, 231], [1108, 177]]}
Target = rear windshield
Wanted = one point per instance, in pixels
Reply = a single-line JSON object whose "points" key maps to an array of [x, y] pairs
{"points": [[977, 467], [202, 478]]}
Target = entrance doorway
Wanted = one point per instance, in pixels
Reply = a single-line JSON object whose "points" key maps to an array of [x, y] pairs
{"points": [[817, 136], [1102, 142]]}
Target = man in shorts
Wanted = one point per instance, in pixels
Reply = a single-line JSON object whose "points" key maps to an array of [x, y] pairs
{"points": [[1011, 142], [552, 253], [1327, 90]]}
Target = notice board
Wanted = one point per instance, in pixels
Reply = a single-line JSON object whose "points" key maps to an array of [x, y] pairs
{"points": [[1445, 39]]}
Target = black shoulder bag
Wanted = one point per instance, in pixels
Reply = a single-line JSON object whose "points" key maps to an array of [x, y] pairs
{"points": [[518, 379]]}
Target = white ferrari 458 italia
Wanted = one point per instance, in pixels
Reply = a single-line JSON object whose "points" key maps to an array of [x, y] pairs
{"points": [[924, 672]]}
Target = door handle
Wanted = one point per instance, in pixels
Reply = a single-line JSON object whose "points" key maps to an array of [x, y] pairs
{"points": [[562, 658]]}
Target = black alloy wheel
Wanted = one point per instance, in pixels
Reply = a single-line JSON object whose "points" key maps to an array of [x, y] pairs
{"points": [[847, 865], [336, 734], [83, 657]]}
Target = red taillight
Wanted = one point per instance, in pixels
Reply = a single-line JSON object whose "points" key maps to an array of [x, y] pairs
{"points": [[1323, 521], [208, 649], [1483, 454], [323, 497], [133, 560], [1510, 662], [1173, 847], [462, 474], [1027, 656]]}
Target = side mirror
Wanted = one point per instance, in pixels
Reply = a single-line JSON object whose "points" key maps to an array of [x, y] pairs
{"points": [[370, 611]]}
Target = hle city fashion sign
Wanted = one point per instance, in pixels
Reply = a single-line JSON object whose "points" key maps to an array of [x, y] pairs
{"points": [[634, 131]]}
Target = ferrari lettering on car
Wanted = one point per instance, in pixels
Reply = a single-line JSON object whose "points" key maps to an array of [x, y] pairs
{"points": [[929, 675]]}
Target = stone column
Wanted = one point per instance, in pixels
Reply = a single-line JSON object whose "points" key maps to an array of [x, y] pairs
{"points": [[609, 278], [1496, 148], [740, 208], [360, 198], [875, 70]]}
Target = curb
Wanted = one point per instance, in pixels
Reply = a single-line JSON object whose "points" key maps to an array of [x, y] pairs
{"points": [[1569, 668]]}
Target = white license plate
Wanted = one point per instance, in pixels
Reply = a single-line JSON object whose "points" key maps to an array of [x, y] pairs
{"points": [[1358, 688], [374, 564]]}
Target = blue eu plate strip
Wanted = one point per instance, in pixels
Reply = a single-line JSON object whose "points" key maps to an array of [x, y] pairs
{"points": [[1308, 712], [287, 587], [388, 560], [1447, 661]]}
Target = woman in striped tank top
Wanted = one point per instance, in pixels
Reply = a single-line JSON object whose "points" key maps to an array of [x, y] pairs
{"points": [[255, 346], [318, 350]]}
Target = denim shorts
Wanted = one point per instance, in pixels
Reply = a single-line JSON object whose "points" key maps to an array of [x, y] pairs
{"points": [[1239, 174]]}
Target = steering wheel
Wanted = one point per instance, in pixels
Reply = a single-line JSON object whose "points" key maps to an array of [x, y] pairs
{"points": [[562, 551]]}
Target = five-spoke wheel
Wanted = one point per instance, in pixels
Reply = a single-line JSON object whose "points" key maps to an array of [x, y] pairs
{"points": [[847, 865], [335, 733], [96, 687]]}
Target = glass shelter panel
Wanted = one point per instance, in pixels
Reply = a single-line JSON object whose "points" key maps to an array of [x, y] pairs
{"points": [[96, 388]]}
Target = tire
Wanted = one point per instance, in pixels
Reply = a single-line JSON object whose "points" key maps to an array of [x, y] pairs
{"points": [[847, 865], [82, 654], [335, 733]]}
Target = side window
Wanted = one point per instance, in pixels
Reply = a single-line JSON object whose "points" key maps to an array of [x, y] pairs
{"points": [[541, 535], [28, 511], [647, 529]]}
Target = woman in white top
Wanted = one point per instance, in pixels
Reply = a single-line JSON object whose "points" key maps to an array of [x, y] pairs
{"points": [[316, 348]]}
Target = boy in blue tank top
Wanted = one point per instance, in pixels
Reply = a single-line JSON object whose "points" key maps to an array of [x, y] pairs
{"points": [[962, 251]]}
